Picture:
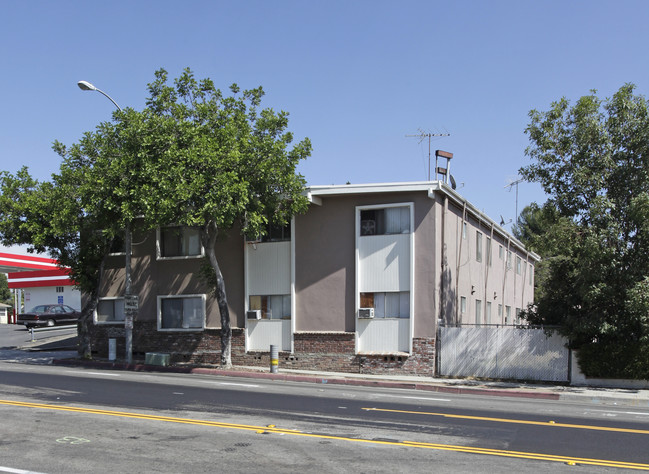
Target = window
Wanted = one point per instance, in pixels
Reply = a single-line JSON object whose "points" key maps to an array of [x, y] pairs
{"points": [[488, 312], [478, 246], [272, 306], [179, 242], [500, 252], [488, 250], [463, 304], [118, 246], [274, 233], [518, 315], [181, 312], [110, 310], [500, 313], [394, 304], [518, 265], [59, 289], [390, 220], [509, 260], [478, 312], [508, 314]]}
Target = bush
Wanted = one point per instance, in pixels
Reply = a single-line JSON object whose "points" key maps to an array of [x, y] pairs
{"points": [[615, 360]]}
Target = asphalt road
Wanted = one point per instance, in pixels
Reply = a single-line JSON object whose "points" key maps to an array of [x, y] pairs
{"points": [[13, 336], [59, 419]]}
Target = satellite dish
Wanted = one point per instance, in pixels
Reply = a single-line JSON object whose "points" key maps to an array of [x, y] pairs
{"points": [[453, 183]]}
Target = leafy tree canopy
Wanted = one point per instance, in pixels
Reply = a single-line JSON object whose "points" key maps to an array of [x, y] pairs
{"points": [[193, 156], [5, 292], [592, 159], [218, 162]]}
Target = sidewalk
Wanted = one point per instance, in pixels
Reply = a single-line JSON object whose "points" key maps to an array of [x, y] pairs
{"points": [[598, 396]]}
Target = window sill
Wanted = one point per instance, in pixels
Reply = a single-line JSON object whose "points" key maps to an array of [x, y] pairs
{"points": [[180, 257], [181, 329], [383, 354]]}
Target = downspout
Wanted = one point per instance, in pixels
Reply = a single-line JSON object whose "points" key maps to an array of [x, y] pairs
{"points": [[488, 263], [444, 256], [509, 241], [457, 269], [525, 277]]}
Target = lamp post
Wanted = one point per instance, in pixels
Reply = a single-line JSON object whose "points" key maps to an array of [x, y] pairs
{"points": [[130, 300]]}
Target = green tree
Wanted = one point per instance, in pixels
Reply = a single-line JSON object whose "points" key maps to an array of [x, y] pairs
{"points": [[220, 163], [50, 218], [592, 159], [5, 292], [193, 157], [75, 216], [532, 225]]}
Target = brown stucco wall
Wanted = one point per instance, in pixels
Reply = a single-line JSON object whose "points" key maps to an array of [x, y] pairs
{"points": [[325, 262], [152, 278]]}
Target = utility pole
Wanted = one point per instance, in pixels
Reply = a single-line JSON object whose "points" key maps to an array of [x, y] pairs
{"points": [[422, 135]]}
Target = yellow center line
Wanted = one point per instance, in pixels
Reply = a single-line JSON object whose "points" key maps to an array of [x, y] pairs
{"points": [[508, 420], [272, 429]]}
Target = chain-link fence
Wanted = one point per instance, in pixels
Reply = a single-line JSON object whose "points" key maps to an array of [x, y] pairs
{"points": [[503, 352]]}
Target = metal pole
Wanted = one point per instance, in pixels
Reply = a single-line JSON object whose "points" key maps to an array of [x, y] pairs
{"points": [[274, 359], [131, 303], [128, 292]]}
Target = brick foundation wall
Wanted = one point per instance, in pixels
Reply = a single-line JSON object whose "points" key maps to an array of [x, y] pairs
{"points": [[323, 351]]}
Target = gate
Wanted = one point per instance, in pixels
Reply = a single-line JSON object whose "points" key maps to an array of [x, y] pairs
{"points": [[503, 353]]}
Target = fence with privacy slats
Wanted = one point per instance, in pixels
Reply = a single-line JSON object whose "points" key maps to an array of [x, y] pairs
{"points": [[503, 352]]}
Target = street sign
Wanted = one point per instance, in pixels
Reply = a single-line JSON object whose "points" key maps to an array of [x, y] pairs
{"points": [[131, 303]]}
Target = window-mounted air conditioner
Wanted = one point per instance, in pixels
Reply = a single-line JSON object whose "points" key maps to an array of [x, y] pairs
{"points": [[366, 313], [253, 314]]}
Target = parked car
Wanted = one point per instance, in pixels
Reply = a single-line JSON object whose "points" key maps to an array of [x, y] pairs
{"points": [[49, 315]]}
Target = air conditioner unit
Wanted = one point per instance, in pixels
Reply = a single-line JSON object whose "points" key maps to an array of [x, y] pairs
{"points": [[368, 227], [253, 314], [366, 313]]}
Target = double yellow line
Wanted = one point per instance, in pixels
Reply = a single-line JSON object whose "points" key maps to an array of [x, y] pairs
{"points": [[508, 420], [410, 444]]}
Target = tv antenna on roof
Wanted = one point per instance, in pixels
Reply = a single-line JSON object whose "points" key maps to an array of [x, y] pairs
{"points": [[422, 135], [512, 183]]}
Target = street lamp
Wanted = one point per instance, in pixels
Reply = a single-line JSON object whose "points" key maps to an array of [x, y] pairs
{"points": [[86, 86], [130, 300]]}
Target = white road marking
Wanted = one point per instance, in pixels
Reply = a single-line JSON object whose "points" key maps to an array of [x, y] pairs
{"points": [[614, 413], [236, 384], [106, 374], [17, 471], [416, 398]]}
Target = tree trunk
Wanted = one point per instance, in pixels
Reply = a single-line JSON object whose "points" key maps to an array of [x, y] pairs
{"points": [[84, 345], [208, 239]]}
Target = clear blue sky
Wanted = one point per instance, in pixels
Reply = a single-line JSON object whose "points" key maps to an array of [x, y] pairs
{"points": [[355, 76]]}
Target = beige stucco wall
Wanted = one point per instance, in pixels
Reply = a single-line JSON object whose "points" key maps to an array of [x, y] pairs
{"points": [[477, 280]]}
